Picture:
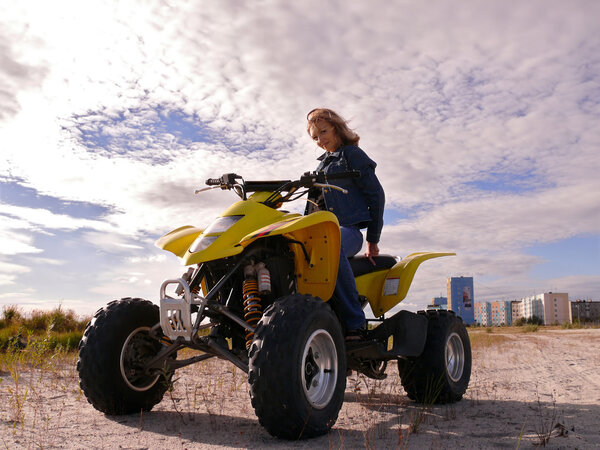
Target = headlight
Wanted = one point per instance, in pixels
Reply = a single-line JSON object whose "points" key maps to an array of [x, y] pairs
{"points": [[221, 224], [202, 242]]}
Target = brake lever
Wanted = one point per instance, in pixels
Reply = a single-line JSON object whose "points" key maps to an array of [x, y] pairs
{"points": [[332, 186], [197, 191]]}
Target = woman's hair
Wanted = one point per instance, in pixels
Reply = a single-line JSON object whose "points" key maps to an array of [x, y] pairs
{"points": [[339, 124]]}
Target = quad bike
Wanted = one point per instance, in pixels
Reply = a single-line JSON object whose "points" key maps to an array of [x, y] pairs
{"points": [[259, 293]]}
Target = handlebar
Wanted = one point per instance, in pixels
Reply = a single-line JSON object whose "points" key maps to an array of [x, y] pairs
{"points": [[308, 180]]}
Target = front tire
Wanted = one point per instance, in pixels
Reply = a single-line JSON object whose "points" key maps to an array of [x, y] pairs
{"points": [[442, 372], [297, 370], [115, 346]]}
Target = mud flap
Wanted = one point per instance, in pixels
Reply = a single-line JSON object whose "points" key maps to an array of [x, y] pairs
{"points": [[408, 334], [408, 331]]}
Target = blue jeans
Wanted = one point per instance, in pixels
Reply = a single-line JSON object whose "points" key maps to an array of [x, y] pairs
{"points": [[345, 288]]}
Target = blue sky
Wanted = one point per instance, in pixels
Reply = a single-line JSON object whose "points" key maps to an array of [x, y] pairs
{"points": [[483, 120]]}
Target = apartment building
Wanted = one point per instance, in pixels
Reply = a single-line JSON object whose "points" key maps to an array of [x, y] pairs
{"points": [[533, 306], [461, 298], [483, 314], [516, 308], [585, 310], [551, 307], [438, 303], [442, 302], [501, 313]]}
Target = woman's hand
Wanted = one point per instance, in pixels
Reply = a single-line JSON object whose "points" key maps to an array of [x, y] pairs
{"points": [[372, 250]]}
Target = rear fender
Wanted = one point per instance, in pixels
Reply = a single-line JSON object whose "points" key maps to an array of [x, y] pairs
{"points": [[392, 286]]}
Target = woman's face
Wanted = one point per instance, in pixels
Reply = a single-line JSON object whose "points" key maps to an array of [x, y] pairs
{"points": [[325, 135]]}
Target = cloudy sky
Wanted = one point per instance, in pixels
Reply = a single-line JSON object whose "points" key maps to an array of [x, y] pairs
{"points": [[483, 118]]}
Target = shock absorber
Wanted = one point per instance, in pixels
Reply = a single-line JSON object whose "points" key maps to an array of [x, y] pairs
{"points": [[252, 306], [264, 278]]}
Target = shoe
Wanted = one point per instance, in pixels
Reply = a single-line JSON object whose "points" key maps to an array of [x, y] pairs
{"points": [[356, 335]]}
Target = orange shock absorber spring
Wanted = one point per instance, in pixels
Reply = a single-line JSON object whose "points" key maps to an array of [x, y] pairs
{"points": [[252, 307]]}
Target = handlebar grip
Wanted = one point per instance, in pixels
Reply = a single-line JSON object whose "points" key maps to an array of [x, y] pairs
{"points": [[213, 182]]}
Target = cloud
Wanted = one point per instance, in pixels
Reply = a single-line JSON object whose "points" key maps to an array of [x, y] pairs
{"points": [[482, 119], [14, 242], [15, 73], [40, 218], [10, 271], [493, 222]]}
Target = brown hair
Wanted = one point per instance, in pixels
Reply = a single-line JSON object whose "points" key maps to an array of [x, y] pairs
{"points": [[336, 121]]}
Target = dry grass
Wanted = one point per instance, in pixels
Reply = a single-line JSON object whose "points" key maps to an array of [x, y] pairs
{"points": [[34, 383], [486, 340]]}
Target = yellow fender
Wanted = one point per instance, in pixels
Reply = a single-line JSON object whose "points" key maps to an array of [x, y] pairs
{"points": [[178, 241], [291, 224], [385, 289], [319, 233]]}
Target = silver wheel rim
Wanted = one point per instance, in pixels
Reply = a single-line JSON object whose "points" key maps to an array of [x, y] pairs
{"points": [[455, 357], [131, 358], [319, 369]]}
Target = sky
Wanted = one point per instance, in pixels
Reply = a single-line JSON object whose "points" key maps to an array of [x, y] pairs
{"points": [[483, 118]]}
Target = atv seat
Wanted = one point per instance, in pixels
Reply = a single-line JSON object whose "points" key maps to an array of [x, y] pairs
{"points": [[361, 264]]}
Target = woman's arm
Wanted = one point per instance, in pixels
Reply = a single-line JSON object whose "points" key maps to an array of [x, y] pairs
{"points": [[372, 190]]}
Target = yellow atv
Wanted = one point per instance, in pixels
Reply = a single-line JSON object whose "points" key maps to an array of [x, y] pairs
{"points": [[259, 293]]}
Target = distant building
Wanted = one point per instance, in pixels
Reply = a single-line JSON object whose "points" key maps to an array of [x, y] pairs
{"points": [[440, 302], [483, 314], [461, 298], [585, 311], [501, 313], [550, 307], [533, 306], [516, 307]]}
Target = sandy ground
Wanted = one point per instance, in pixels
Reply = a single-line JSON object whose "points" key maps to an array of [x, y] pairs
{"points": [[524, 387]]}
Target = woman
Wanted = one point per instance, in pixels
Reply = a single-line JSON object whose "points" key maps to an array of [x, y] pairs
{"points": [[361, 207]]}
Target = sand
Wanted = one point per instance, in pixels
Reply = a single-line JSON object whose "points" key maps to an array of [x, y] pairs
{"points": [[526, 389]]}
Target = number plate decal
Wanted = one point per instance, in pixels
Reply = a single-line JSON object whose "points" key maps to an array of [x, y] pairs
{"points": [[391, 286]]}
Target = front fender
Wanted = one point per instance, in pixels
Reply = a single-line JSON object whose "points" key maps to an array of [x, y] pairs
{"points": [[179, 240], [319, 235]]}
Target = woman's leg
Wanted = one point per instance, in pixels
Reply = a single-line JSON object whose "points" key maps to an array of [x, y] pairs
{"points": [[345, 288], [352, 240]]}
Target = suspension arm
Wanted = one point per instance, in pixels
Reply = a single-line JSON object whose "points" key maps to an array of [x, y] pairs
{"points": [[221, 309]]}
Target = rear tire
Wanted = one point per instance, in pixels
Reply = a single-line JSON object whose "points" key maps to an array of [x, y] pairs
{"points": [[297, 368], [442, 373], [115, 345]]}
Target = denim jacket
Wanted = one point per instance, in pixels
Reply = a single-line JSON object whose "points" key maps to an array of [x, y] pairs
{"points": [[363, 205]]}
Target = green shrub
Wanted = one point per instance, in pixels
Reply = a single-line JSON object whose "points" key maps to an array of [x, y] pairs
{"points": [[520, 322], [535, 320], [12, 314], [38, 321], [42, 330], [65, 341], [9, 333], [571, 326]]}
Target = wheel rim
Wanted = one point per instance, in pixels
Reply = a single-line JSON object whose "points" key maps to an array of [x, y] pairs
{"points": [[455, 357], [319, 369], [138, 348]]}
